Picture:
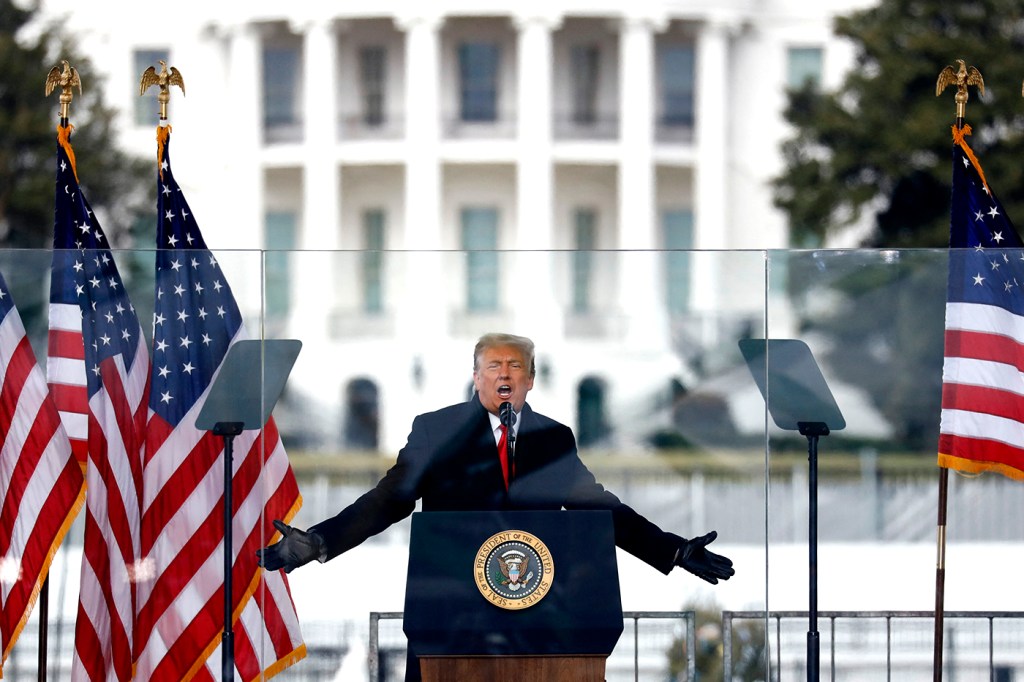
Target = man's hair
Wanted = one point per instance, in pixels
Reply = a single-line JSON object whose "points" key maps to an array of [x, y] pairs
{"points": [[493, 340]]}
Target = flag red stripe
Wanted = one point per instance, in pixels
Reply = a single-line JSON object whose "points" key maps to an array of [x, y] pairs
{"points": [[18, 370], [984, 400], [130, 443], [117, 516], [179, 486], [981, 450], [40, 482], [274, 622], [157, 432], [208, 538], [70, 398], [982, 346], [247, 661], [46, 534], [80, 448], [89, 650], [65, 344], [205, 540], [116, 640]]}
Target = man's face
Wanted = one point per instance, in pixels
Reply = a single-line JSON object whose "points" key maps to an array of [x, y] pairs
{"points": [[502, 374]]}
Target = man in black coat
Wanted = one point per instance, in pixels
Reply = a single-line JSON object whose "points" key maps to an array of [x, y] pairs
{"points": [[451, 461]]}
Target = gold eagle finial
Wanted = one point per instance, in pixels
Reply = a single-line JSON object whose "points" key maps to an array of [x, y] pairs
{"points": [[165, 79], [67, 78], [961, 77]]}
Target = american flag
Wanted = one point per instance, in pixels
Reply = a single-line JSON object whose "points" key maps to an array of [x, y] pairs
{"points": [[982, 426], [96, 339], [41, 484], [181, 617]]}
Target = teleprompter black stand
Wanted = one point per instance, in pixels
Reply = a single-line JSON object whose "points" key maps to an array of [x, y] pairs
{"points": [[241, 398], [798, 399]]}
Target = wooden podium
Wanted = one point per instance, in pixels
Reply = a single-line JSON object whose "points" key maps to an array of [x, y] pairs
{"points": [[466, 619], [513, 668]]}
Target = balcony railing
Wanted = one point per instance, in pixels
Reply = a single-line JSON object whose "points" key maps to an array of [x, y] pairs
{"points": [[602, 126], [858, 649]]}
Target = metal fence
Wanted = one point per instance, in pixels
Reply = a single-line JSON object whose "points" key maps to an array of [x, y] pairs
{"points": [[653, 642], [887, 645]]}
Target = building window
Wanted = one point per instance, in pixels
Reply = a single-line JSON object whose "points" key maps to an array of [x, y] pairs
{"points": [[592, 423], [585, 220], [362, 415], [678, 238], [373, 261], [280, 242], [281, 89], [478, 82], [804, 67], [147, 108], [586, 60], [480, 241], [372, 77], [676, 76]]}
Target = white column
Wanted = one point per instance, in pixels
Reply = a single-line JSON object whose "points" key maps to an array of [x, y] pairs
{"points": [[320, 200], [534, 192], [534, 184], [245, 69], [711, 196], [244, 227], [636, 114], [425, 313], [422, 132], [319, 219], [640, 293]]}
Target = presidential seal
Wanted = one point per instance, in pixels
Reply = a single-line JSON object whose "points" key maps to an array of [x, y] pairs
{"points": [[513, 570]]}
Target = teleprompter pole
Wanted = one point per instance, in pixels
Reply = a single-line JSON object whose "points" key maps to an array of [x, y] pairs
{"points": [[812, 430], [228, 430]]}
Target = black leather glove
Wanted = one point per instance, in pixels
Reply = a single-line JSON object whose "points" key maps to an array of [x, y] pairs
{"points": [[695, 558], [296, 548]]}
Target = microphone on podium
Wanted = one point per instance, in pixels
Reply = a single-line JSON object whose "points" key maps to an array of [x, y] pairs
{"points": [[507, 416]]}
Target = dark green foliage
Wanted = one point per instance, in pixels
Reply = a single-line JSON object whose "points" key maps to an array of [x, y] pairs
{"points": [[114, 183], [882, 142]]}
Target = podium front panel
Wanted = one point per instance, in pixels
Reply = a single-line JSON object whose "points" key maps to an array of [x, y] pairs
{"points": [[446, 613]]}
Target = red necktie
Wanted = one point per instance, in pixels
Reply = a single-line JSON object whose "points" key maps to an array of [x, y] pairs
{"points": [[503, 453]]}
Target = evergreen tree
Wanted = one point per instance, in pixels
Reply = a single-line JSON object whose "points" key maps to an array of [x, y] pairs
{"points": [[882, 142], [115, 183]]}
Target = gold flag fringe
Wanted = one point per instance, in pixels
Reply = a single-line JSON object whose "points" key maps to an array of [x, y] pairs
{"points": [[162, 134], [64, 138], [959, 138]]}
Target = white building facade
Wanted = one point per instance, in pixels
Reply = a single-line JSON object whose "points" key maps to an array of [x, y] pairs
{"points": [[445, 169]]}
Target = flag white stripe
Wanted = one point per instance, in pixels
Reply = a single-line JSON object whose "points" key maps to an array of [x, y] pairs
{"points": [[985, 373], [76, 424], [11, 333], [33, 502], [980, 317], [65, 317], [68, 371], [95, 610], [278, 590], [983, 426]]}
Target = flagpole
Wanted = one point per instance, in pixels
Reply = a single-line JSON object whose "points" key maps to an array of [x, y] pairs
{"points": [[66, 78], [940, 576], [940, 555], [961, 77], [44, 609]]}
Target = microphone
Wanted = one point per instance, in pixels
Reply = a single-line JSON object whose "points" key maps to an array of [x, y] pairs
{"points": [[507, 416]]}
